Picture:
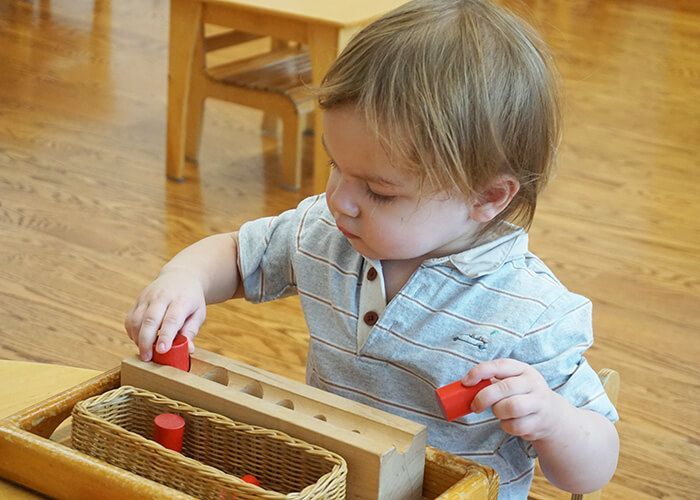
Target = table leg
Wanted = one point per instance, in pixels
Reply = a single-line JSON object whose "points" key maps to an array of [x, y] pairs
{"points": [[185, 23], [325, 43]]}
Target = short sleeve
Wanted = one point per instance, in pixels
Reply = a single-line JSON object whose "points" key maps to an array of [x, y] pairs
{"points": [[555, 346], [265, 253]]}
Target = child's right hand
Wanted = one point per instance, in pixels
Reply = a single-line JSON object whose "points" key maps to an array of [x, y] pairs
{"points": [[174, 303]]}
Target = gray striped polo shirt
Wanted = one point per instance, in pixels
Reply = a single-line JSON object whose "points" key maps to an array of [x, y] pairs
{"points": [[496, 300]]}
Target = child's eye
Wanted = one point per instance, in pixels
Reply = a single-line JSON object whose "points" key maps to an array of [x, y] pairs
{"points": [[379, 198]]}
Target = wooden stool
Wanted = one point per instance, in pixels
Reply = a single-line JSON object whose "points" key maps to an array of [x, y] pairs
{"points": [[274, 82]]}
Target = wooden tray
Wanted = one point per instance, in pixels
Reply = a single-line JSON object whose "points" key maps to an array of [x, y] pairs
{"points": [[33, 453]]}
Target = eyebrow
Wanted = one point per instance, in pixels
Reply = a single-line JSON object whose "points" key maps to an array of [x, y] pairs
{"points": [[370, 178]]}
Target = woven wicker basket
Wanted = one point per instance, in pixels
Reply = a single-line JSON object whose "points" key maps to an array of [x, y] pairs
{"points": [[116, 427]]}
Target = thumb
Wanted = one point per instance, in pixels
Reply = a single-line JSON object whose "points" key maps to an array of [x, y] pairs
{"points": [[192, 325]]}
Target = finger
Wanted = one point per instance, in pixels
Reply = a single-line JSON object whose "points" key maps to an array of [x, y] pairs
{"points": [[147, 332], [192, 326], [518, 406], [499, 391], [524, 427], [133, 320], [175, 316], [496, 368]]}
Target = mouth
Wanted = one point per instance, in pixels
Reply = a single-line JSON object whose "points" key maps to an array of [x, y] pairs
{"points": [[347, 234]]}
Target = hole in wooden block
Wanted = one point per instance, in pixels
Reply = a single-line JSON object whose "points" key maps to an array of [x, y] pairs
{"points": [[254, 389], [287, 403], [321, 417], [218, 374], [355, 430]]}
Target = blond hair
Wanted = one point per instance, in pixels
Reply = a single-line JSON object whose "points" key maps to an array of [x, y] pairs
{"points": [[457, 92]]}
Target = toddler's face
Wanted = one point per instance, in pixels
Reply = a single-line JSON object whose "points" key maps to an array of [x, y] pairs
{"points": [[378, 206]]}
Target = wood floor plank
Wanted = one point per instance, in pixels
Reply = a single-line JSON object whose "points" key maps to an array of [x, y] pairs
{"points": [[87, 217]]}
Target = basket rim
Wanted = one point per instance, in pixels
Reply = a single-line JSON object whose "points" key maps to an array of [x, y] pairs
{"points": [[82, 411]]}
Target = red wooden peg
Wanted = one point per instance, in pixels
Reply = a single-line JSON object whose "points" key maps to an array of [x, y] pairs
{"points": [[249, 478], [456, 399], [178, 355], [168, 430]]}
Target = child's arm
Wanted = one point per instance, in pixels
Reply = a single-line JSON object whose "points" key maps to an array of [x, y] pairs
{"points": [[203, 273], [577, 448]]}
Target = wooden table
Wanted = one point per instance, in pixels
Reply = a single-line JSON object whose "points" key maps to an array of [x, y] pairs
{"points": [[23, 384], [323, 25]]}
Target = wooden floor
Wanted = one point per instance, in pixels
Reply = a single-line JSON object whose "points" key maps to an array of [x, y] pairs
{"points": [[87, 218]]}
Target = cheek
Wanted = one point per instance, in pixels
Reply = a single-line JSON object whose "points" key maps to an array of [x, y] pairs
{"points": [[423, 232], [330, 185], [394, 239]]}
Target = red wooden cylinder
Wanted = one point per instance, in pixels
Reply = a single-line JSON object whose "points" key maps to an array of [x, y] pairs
{"points": [[456, 399], [249, 478], [178, 355], [169, 430]]}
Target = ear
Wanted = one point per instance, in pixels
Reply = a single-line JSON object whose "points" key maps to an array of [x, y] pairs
{"points": [[494, 198]]}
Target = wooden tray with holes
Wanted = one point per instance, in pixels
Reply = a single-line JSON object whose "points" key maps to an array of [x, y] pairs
{"points": [[371, 441]]}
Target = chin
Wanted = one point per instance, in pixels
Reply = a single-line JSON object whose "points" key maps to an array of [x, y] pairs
{"points": [[381, 256], [367, 253], [370, 255], [387, 254]]}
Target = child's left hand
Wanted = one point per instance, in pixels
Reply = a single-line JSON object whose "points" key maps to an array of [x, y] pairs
{"points": [[520, 398]]}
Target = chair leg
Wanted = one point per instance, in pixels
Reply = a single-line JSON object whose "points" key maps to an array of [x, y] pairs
{"points": [[269, 124], [309, 123], [270, 121], [195, 117], [292, 135], [185, 28], [195, 104]]}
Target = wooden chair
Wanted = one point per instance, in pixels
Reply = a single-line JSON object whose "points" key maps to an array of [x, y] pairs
{"points": [[611, 383], [274, 82]]}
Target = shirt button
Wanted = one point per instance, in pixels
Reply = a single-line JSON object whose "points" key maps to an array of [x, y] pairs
{"points": [[372, 274], [371, 318]]}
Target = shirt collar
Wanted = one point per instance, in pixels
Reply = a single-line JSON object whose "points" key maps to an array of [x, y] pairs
{"points": [[488, 257]]}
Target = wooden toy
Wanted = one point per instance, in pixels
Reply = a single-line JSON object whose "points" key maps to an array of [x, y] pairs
{"points": [[385, 453], [168, 430], [178, 356], [456, 399], [249, 478], [38, 439]]}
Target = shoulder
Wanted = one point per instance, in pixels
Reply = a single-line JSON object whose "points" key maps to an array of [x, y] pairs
{"points": [[526, 275], [561, 312], [499, 281], [308, 231], [313, 215], [529, 293], [316, 225], [311, 212], [318, 242]]}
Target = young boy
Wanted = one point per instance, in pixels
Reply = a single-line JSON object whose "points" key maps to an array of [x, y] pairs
{"points": [[441, 120]]}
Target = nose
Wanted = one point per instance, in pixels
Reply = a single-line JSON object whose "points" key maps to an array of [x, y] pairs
{"points": [[340, 196]]}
